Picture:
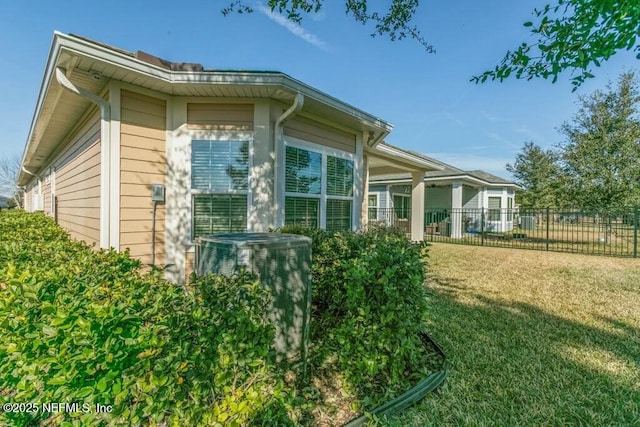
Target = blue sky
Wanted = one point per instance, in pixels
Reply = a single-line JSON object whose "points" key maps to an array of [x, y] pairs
{"points": [[427, 97]]}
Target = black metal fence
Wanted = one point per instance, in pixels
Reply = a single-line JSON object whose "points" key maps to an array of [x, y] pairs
{"points": [[599, 233]]}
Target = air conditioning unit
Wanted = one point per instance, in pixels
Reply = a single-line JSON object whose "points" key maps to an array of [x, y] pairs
{"points": [[280, 261]]}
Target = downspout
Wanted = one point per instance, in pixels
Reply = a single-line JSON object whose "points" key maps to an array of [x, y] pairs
{"points": [[279, 158], [105, 138], [26, 171]]}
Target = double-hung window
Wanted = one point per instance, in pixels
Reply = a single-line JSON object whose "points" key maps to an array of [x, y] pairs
{"points": [[495, 205], [219, 186], [318, 189]]}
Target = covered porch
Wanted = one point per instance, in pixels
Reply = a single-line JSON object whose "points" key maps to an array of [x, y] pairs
{"points": [[384, 159]]}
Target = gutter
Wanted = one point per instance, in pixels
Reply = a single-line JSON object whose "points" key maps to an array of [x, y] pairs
{"points": [[105, 150], [278, 188]]}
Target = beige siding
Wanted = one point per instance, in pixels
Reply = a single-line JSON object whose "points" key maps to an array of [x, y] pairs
{"points": [[189, 265], [28, 194], [46, 195], [320, 133], [238, 117], [142, 163], [78, 184]]}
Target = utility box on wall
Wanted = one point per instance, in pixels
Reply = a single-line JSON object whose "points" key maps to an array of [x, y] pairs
{"points": [[280, 261]]}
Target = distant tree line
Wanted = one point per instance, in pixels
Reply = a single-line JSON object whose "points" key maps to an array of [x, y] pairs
{"points": [[597, 165]]}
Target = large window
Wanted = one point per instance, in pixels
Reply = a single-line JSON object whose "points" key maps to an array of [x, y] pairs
{"points": [[318, 189], [219, 186], [402, 205], [495, 204], [372, 204]]}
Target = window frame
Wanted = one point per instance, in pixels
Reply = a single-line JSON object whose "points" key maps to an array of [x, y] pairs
{"points": [[324, 152], [226, 137], [407, 211], [494, 211]]}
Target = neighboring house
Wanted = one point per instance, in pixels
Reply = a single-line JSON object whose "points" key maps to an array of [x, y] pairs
{"points": [[455, 200], [235, 151]]}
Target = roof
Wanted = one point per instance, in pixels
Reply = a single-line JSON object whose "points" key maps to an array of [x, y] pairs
{"points": [[447, 173], [92, 65]]}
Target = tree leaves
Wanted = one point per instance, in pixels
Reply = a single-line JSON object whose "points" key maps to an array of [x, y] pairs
{"points": [[572, 35], [394, 22], [596, 167]]}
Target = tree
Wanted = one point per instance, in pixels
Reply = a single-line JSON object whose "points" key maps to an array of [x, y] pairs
{"points": [[602, 148], [538, 173], [394, 23], [9, 169], [572, 35]]}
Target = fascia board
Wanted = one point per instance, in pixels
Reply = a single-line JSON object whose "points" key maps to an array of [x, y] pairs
{"points": [[403, 155], [101, 53]]}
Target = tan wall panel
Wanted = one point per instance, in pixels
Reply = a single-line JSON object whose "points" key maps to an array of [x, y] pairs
{"points": [[143, 252], [82, 221], [319, 133], [137, 214], [87, 158], [142, 162], [143, 166], [133, 226], [144, 132], [142, 202], [143, 153], [146, 143], [131, 177], [78, 183], [46, 197], [189, 264], [66, 202], [135, 238], [135, 189], [28, 201], [220, 116], [151, 121]]}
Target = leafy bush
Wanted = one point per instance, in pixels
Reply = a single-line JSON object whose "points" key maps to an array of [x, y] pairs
{"points": [[78, 325], [369, 307]]}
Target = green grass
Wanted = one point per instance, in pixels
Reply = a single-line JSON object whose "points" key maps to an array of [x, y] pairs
{"points": [[533, 338]]}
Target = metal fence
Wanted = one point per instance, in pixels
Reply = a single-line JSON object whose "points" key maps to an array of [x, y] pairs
{"points": [[569, 230]]}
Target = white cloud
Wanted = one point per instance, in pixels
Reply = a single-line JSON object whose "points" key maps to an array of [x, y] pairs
{"points": [[293, 28]]}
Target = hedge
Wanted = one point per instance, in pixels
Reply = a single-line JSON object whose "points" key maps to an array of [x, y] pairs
{"points": [[91, 327]]}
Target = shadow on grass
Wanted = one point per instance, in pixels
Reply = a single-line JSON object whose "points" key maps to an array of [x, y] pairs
{"points": [[512, 363]]}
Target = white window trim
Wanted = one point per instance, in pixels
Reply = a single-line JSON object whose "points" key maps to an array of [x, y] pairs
{"points": [[324, 151], [221, 136]]}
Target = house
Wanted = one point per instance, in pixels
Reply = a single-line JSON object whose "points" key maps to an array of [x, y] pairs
{"points": [[230, 150], [456, 201]]}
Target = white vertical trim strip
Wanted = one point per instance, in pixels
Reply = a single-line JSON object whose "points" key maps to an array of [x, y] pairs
{"points": [[359, 183], [114, 215]]}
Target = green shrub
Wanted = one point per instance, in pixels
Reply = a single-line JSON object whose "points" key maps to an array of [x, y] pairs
{"points": [[369, 308], [78, 325]]}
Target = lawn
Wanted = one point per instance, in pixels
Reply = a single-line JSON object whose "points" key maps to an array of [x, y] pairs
{"points": [[533, 338]]}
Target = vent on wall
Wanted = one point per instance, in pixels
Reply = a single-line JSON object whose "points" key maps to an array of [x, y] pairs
{"points": [[280, 261]]}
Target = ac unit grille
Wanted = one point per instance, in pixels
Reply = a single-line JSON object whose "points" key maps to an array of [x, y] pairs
{"points": [[280, 261]]}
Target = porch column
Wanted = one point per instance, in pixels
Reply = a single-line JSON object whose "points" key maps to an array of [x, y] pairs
{"points": [[456, 210], [417, 206]]}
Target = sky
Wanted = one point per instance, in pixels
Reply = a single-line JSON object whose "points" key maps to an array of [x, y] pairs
{"points": [[428, 98]]}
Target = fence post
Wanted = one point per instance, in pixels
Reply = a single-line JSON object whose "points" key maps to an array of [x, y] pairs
{"points": [[635, 232], [547, 228], [482, 227]]}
